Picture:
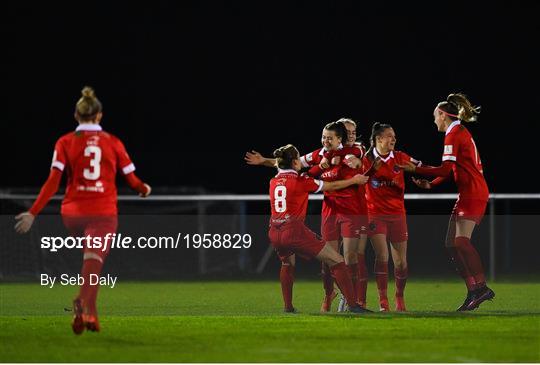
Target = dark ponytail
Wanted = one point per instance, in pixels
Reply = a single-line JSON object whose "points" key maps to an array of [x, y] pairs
{"points": [[338, 128], [376, 130], [285, 156]]}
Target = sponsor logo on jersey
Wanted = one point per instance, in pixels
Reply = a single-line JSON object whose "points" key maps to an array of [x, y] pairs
{"points": [[329, 175], [447, 149], [374, 183]]}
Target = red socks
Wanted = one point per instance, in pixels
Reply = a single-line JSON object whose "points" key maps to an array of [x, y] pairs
{"points": [[470, 259], [88, 293], [286, 277], [353, 272], [328, 281], [381, 276], [401, 280], [361, 285], [344, 282]]}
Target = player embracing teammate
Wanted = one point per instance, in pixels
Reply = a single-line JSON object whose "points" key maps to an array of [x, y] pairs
{"points": [[91, 158], [288, 234]]}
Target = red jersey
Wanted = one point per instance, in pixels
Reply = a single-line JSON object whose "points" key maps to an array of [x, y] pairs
{"points": [[90, 158], [385, 189], [340, 172], [355, 204], [289, 194], [315, 157], [460, 148]]}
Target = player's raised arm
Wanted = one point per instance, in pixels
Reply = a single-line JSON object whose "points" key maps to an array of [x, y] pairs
{"points": [[255, 158]]}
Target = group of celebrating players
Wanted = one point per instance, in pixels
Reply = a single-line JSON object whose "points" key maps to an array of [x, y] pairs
{"points": [[364, 197]]}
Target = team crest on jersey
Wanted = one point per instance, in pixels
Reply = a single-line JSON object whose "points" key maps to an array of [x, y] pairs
{"points": [[447, 149], [375, 184]]}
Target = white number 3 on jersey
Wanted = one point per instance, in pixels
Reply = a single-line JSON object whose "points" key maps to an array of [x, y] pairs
{"points": [[95, 169], [280, 204]]}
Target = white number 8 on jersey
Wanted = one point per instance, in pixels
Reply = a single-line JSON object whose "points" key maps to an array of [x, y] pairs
{"points": [[280, 204]]}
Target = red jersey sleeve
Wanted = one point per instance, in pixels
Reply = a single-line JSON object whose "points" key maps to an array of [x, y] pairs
{"points": [[123, 159], [451, 148], [310, 159], [59, 159], [309, 184]]}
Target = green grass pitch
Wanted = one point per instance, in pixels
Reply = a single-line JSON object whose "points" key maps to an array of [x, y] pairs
{"points": [[243, 322]]}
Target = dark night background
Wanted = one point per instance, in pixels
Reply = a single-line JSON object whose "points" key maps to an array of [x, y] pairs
{"points": [[190, 86]]}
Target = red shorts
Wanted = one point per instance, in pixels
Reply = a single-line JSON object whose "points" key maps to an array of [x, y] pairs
{"points": [[335, 226], [343, 220], [294, 238], [95, 226], [471, 209], [393, 226]]}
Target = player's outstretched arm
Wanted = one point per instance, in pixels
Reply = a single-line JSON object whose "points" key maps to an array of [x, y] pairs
{"points": [[26, 219], [435, 171], [255, 158], [342, 184], [24, 222]]}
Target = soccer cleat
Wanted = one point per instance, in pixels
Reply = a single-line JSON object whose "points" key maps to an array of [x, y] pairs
{"points": [[342, 306], [358, 309], [400, 304], [77, 324], [91, 322], [464, 307], [327, 302], [479, 296], [384, 306], [289, 310]]}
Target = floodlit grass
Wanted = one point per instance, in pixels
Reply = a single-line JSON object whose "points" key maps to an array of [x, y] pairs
{"points": [[243, 322]]}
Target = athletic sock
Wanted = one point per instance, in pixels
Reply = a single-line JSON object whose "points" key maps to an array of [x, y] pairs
{"points": [[362, 279], [353, 272], [286, 277], [328, 281], [472, 260], [460, 265], [344, 282], [401, 280], [381, 276]]}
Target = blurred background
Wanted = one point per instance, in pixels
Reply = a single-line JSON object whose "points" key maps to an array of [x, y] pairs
{"points": [[191, 86]]}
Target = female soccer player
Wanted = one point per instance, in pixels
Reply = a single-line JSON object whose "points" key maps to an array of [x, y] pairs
{"points": [[386, 210], [461, 157], [341, 209], [355, 161], [288, 235], [91, 158]]}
